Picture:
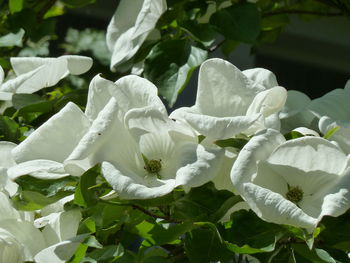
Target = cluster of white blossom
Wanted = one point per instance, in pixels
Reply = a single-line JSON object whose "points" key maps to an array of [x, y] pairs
{"points": [[144, 153]]}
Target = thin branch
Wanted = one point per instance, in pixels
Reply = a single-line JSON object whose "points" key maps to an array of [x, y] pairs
{"points": [[147, 212], [300, 12]]}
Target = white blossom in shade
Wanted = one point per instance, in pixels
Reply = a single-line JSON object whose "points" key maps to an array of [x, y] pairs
{"points": [[42, 153], [295, 112], [294, 182], [34, 73], [333, 112], [130, 26], [7, 161], [230, 102]]}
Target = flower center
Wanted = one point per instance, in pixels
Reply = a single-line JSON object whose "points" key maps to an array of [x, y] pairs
{"points": [[152, 166], [294, 194]]}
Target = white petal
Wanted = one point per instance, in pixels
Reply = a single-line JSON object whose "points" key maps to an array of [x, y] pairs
{"points": [[257, 149], [46, 75], [77, 65], [223, 90], [6, 159], [306, 131], [2, 74], [215, 127], [261, 76], [198, 164], [136, 92], [5, 96], [42, 169], [22, 65], [130, 26], [25, 233], [334, 104], [107, 139], [61, 226], [130, 186], [268, 102], [56, 138], [274, 208], [98, 96], [310, 154], [296, 102], [11, 251], [61, 252]]}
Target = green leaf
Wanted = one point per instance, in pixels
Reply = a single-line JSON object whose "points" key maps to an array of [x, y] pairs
{"points": [[155, 234], [196, 206], [238, 22], [170, 64], [331, 132], [85, 195], [248, 234], [21, 100], [203, 33], [110, 252], [15, 5], [9, 129], [232, 142], [91, 241], [12, 39], [314, 255], [206, 245], [47, 187], [79, 254], [293, 135], [77, 3], [30, 201]]}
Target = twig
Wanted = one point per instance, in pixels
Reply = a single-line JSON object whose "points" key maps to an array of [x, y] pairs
{"points": [[147, 212]]}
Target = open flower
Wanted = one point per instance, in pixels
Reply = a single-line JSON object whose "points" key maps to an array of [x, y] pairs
{"points": [[35, 73], [130, 26], [294, 182], [230, 101], [144, 154], [333, 112]]}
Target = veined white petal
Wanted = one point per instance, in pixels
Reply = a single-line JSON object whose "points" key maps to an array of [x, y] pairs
{"points": [[310, 154], [268, 102], [136, 92], [274, 208], [25, 233], [261, 76], [215, 127], [77, 65], [61, 226], [130, 26], [130, 186], [56, 138], [60, 252], [98, 96], [42, 169], [223, 90]]}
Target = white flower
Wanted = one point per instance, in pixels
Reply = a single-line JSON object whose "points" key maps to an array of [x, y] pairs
{"points": [[130, 26], [17, 234], [333, 112], [294, 182], [295, 112], [35, 73], [7, 161], [230, 101], [144, 154], [42, 153]]}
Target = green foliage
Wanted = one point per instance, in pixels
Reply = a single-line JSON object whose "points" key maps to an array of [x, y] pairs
{"points": [[170, 64]]}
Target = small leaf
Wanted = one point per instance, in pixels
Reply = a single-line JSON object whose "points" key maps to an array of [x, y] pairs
{"points": [[232, 142], [84, 196], [15, 5], [170, 64], [238, 22]]}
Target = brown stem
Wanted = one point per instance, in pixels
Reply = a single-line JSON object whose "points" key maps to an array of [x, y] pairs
{"points": [[147, 212]]}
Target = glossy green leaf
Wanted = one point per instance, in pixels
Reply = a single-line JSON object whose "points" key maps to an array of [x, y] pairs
{"points": [[16, 5], [9, 129], [238, 22], [85, 195], [170, 65]]}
